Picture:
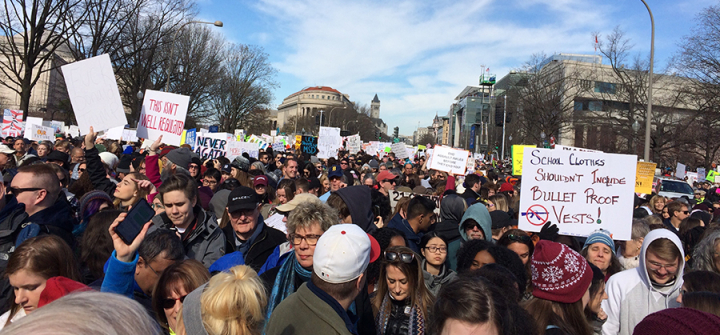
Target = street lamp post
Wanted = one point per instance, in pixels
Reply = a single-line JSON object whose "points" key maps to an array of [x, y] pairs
{"points": [[330, 113], [172, 46], [650, 87], [502, 154]]}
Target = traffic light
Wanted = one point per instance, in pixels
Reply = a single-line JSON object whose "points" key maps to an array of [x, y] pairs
{"points": [[396, 132]]}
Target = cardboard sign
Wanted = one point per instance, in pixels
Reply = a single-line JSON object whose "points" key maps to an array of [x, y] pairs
{"points": [[328, 143], [449, 160], [56, 125], [74, 131], [278, 147], [517, 158], [211, 145], [130, 135], [400, 150], [354, 144], [41, 133], [114, 133], [578, 191], [94, 94], [717, 179], [12, 122], [644, 177], [163, 114], [680, 171], [309, 145], [29, 122], [700, 175]]}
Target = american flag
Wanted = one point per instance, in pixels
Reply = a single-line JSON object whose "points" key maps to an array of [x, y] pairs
{"points": [[12, 120]]}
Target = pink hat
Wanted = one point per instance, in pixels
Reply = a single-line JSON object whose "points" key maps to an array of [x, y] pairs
{"points": [[559, 273]]}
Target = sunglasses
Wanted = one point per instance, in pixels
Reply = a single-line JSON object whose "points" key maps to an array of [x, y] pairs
{"points": [[15, 190], [170, 303], [401, 256], [519, 238]]}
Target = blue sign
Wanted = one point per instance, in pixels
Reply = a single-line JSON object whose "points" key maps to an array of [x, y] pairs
{"points": [[472, 137], [213, 129], [190, 137]]}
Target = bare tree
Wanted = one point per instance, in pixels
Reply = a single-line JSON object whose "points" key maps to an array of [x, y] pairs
{"points": [[246, 86], [698, 58], [624, 101], [32, 32]]}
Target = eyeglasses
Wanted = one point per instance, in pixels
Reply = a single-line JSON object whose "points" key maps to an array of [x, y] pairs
{"points": [[153, 270], [194, 166], [392, 181], [490, 204], [519, 238], [685, 212], [210, 182], [655, 266], [16, 190], [435, 249], [81, 170], [401, 256], [170, 303], [311, 239]]}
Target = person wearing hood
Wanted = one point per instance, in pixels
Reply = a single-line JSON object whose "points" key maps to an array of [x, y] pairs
{"points": [[475, 224], [452, 208], [354, 206], [653, 286], [420, 217]]}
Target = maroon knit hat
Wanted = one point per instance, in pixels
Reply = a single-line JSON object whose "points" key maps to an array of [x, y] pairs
{"points": [[559, 273], [673, 321]]}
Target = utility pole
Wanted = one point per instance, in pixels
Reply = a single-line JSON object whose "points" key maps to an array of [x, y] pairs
{"points": [[502, 153]]}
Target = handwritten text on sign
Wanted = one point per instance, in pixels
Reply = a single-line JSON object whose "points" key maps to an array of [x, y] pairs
{"points": [[211, 145], [449, 160], [163, 114], [578, 191]]}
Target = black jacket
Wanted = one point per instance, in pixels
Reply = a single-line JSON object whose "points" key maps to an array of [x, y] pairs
{"points": [[57, 219], [96, 171], [262, 247], [470, 196]]}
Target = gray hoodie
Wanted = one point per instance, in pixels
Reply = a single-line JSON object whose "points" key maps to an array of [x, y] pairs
{"points": [[480, 214], [631, 295]]}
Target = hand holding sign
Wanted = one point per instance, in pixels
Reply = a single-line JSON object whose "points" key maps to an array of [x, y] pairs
{"points": [[90, 138]]}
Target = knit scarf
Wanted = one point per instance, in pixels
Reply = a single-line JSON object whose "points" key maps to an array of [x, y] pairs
{"points": [[285, 282], [417, 321]]}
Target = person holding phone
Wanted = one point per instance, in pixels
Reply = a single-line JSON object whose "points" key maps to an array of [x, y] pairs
{"points": [[202, 239]]}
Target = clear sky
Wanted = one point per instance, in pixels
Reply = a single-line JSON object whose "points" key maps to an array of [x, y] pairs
{"points": [[418, 55]]}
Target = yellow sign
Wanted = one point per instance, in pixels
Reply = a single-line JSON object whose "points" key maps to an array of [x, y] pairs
{"points": [[182, 137], [298, 141], [517, 158], [644, 177]]}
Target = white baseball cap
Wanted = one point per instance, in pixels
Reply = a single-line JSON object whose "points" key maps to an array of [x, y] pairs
{"points": [[343, 253], [6, 150]]}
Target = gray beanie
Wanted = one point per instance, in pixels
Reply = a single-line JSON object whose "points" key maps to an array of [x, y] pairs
{"points": [[180, 157]]}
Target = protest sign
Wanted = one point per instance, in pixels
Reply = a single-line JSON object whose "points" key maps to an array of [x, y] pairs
{"points": [[644, 177], [56, 125], [190, 136], [395, 196], [354, 144], [163, 114], [129, 135], [41, 133], [236, 148], [94, 94], [680, 171], [328, 142], [12, 122], [569, 148], [114, 133], [298, 141], [717, 179], [29, 121], [74, 131], [239, 135], [700, 174], [211, 145], [309, 145], [278, 147], [517, 158], [449, 160], [400, 150], [471, 164], [578, 191]]}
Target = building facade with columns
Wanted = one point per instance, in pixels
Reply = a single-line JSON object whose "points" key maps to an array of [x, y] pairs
{"points": [[310, 101]]}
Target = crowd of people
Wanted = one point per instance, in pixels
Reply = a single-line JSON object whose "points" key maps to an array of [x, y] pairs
{"points": [[287, 243]]}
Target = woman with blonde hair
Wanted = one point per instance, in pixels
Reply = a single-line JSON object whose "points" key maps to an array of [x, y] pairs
{"points": [[402, 300], [324, 183], [498, 202], [232, 303], [131, 189], [657, 203]]}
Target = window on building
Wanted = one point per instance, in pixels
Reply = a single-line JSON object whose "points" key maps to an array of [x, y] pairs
{"points": [[585, 84], [578, 106], [603, 87], [595, 106]]}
